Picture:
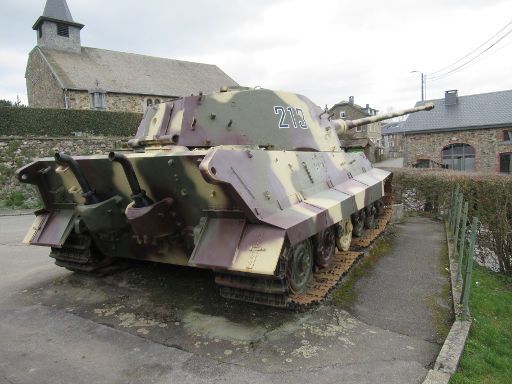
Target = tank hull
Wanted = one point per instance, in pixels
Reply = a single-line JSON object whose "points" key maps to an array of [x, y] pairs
{"points": [[231, 209]]}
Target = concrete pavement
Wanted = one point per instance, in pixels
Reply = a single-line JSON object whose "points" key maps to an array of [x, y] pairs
{"points": [[391, 163], [161, 324], [410, 281]]}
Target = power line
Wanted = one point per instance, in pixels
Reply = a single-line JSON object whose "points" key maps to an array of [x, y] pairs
{"points": [[460, 67], [473, 63], [473, 51]]}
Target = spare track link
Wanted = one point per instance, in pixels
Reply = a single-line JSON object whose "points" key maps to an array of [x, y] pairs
{"points": [[274, 291]]}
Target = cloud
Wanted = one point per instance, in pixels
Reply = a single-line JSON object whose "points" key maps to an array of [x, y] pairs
{"points": [[326, 49]]}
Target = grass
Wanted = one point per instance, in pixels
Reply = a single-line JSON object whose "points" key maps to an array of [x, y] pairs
{"points": [[487, 356], [442, 316]]}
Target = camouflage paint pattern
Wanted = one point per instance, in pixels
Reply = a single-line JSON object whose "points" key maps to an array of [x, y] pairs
{"points": [[234, 176]]}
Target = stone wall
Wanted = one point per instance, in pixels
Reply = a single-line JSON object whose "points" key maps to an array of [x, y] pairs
{"points": [[393, 144], [488, 144], [43, 89], [116, 102], [17, 151]]}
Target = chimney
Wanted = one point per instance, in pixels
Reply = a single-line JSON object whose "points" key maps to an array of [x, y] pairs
{"points": [[451, 97], [351, 100]]}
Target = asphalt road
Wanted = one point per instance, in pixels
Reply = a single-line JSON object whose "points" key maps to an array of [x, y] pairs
{"points": [[161, 324]]}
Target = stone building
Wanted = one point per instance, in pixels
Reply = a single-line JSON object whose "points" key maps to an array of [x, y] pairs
{"points": [[393, 139], [467, 133], [61, 73], [350, 111]]}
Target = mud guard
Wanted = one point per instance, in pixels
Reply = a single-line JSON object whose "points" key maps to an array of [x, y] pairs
{"points": [[50, 228], [236, 245]]}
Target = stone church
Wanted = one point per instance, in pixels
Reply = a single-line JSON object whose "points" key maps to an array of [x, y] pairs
{"points": [[61, 73]]}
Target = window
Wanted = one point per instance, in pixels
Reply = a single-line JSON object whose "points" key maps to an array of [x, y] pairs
{"points": [[343, 114], [98, 98], [40, 31], [460, 157], [359, 129], [149, 102], [157, 101], [423, 163], [506, 163], [507, 135], [63, 30]]}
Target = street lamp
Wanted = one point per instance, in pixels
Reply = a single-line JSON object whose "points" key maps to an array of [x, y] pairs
{"points": [[423, 84]]}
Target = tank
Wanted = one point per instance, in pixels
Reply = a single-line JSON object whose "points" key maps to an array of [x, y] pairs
{"points": [[249, 183]]}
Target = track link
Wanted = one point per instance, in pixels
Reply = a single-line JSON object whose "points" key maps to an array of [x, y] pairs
{"points": [[78, 255], [274, 291]]}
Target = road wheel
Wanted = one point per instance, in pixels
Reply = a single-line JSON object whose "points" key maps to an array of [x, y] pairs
{"points": [[369, 221], [379, 206], [344, 235], [325, 244], [358, 219], [300, 266]]}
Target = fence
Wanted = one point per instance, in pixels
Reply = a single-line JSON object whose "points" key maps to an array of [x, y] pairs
{"points": [[463, 246]]}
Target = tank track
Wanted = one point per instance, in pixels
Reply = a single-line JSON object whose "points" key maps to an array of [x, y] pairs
{"points": [[78, 255], [274, 291]]}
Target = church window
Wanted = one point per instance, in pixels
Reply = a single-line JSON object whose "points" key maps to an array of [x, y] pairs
{"points": [[157, 101], [40, 31], [63, 30], [98, 98], [149, 102]]}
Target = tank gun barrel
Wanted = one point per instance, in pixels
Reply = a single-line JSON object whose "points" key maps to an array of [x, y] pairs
{"points": [[343, 125]]}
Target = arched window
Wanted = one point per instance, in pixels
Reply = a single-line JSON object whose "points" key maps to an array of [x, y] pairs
{"points": [[157, 101], [460, 157], [149, 102]]}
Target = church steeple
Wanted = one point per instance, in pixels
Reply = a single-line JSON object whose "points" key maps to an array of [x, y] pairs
{"points": [[56, 28]]}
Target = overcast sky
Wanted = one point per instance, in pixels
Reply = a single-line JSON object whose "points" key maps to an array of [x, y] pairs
{"points": [[324, 49]]}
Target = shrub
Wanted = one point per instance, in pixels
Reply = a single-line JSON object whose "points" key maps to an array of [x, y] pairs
{"points": [[63, 122], [489, 197]]}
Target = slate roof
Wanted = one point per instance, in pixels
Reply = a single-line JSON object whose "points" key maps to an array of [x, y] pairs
{"points": [[131, 73], [58, 11], [353, 105], [484, 110], [392, 128]]}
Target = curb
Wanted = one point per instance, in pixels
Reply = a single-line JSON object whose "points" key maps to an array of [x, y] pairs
{"points": [[16, 212], [448, 359]]}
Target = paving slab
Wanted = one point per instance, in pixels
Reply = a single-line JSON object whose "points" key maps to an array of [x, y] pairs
{"points": [[154, 323]]}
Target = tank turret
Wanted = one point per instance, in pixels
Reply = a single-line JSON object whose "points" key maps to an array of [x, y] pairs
{"points": [[270, 119]]}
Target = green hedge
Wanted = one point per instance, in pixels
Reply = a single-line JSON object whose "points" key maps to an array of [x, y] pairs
{"points": [[489, 197], [62, 122]]}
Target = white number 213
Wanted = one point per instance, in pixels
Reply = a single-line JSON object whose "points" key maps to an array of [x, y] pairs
{"points": [[296, 116]]}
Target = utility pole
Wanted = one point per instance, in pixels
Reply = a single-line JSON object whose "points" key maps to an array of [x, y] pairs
{"points": [[423, 85]]}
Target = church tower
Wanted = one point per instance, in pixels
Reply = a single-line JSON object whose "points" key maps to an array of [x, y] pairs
{"points": [[56, 28]]}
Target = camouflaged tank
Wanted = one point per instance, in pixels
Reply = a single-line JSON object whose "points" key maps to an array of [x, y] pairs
{"points": [[251, 184]]}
